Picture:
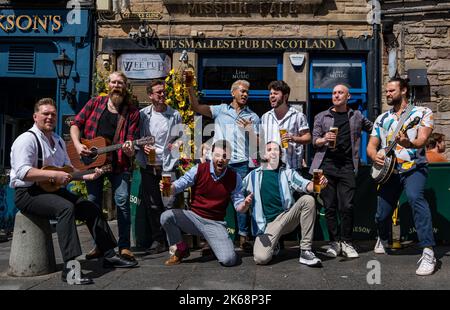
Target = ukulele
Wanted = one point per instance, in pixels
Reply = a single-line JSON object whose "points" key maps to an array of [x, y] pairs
{"points": [[51, 186]]}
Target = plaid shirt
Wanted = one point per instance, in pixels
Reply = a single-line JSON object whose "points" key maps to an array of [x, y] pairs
{"points": [[87, 121]]}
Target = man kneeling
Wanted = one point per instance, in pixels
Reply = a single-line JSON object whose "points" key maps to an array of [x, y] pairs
{"points": [[274, 212], [213, 186]]}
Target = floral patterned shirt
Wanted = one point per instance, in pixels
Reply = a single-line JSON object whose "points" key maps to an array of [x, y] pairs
{"points": [[384, 128]]}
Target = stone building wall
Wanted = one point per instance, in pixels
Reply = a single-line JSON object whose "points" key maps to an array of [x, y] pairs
{"points": [[320, 20], [424, 42]]}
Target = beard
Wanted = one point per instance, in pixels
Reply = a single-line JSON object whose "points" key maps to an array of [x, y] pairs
{"points": [[395, 101], [117, 96]]}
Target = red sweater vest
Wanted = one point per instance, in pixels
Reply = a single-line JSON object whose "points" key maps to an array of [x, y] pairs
{"points": [[210, 198]]}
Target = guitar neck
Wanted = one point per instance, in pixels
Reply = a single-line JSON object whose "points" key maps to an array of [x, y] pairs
{"points": [[109, 148], [116, 147], [401, 121], [79, 174]]}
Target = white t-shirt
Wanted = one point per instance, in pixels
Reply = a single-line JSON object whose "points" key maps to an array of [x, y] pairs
{"points": [[159, 127]]}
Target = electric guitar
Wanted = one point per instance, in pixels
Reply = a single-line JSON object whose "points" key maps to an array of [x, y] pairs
{"points": [[99, 147], [51, 186], [381, 174]]}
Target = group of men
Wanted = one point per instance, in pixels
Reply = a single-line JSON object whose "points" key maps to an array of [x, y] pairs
{"points": [[279, 198]]}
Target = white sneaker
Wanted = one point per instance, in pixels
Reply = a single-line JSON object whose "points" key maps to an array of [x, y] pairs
{"points": [[427, 263], [379, 247], [348, 250], [334, 250], [308, 258]]}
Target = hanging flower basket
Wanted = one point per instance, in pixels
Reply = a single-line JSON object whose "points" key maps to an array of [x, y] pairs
{"points": [[177, 97]]}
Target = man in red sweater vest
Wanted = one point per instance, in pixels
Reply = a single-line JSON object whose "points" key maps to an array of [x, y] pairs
{"points": [[213, 187]]}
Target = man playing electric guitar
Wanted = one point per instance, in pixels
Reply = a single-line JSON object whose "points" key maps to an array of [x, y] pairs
{"points": [[114, 118], [410, 171]]}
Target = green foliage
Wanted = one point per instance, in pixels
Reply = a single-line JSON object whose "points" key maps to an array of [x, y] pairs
{"points": [[79, 187]]}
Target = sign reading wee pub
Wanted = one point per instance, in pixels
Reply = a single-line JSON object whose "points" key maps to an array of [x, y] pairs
{"points": [[144, 66]]}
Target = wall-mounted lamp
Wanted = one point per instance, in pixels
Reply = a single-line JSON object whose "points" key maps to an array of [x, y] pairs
{"points": [[63, 66], [340, 33], [143, 35]]}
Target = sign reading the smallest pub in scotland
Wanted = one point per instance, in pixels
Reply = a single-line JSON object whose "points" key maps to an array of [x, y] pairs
{"points": [[292, 44]]}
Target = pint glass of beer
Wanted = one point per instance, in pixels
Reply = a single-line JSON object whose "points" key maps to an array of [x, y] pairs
{"points": [[189, 77], [317, 174], [332, 144], [284, 144], [166, 180], [151, 156]]}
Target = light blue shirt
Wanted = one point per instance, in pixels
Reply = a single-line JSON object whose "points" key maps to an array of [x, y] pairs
{"points": [[225, 118], [188, 180]]}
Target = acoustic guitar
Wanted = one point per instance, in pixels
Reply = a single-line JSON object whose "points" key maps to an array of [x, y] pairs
{"points": [[52, 185], [99, 147], [381, 174]]}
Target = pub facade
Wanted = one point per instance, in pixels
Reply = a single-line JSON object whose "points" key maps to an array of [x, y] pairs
{"points": [[311, 44]]}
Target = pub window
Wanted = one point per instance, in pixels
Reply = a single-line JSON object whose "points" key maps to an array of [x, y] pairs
{"points": [[326, 73], [218, 72]]}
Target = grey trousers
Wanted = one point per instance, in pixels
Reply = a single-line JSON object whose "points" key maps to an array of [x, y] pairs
{"points": [[303, 212], [175, 221]]}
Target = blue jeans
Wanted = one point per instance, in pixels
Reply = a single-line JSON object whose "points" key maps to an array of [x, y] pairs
{"points": [[120, 186], [413, 182], [242, 218]]}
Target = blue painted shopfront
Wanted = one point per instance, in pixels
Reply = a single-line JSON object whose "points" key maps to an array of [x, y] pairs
{"points": [[30, 39]]}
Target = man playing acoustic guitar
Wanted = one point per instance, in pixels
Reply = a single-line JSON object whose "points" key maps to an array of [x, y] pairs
{"points": [[114, 118], [40, 147], [410, 171]]}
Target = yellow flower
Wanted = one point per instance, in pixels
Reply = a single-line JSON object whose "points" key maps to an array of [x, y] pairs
{"points": [[172, 72], [168, 101], [182, 103]]}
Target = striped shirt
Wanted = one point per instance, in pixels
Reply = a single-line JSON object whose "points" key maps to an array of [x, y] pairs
{"points": [[294, 122]]}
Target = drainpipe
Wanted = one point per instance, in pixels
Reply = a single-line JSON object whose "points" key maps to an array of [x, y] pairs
{"points": [[376, 107]]}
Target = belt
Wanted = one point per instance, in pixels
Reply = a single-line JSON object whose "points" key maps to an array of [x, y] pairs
{"points": [[154, 169]]}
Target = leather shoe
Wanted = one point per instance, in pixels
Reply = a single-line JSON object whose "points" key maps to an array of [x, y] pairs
{"points": [[93, 254], [176, 258], [118, 262], [82, 280], [127, 254]]}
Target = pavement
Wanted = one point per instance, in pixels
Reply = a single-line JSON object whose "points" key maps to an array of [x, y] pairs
{"points": [[368, 272]]}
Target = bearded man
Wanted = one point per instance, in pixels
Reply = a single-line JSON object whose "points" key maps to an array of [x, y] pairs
{"points": [[114, 118]]}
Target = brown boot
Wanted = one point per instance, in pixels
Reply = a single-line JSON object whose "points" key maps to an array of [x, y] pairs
{"points": [[245, 245], [176, 258], [127, 254]]}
